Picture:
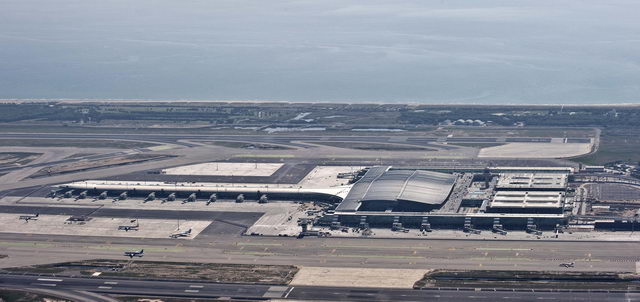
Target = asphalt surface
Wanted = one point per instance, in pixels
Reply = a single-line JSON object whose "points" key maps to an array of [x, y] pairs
{"points": [[245, 219], [218, 246], [262, 292], [288, 139]]}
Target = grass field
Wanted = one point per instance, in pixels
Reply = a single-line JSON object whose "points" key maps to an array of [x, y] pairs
{"points": [[615, 144]]}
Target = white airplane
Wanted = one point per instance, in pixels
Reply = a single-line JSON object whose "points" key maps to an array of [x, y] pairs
{"points": [[132, 254], [127, 228], [26, 218], [568, 264], [186, 233]]}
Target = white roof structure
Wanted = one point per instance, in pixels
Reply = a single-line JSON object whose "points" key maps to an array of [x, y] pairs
{"points": [[557, 181], [527, 199], [382, 184], [189, 187]]}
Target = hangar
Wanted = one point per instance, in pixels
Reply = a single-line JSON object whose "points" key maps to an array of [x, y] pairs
{"points": [[382, 189]]}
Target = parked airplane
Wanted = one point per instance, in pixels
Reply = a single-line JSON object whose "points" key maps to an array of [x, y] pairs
{"points": [[102, 195], [568, 265], [212, 198], [53, 193], [127, 228], [191, 198], [186, 233], [82, 195], [132, 254], [26, 218], [150, 197], [171, 197], [122, 196], [68, 194]]}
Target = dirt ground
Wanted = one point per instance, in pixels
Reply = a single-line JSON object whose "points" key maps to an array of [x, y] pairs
{"points": [[357, 277], [213, 272]]}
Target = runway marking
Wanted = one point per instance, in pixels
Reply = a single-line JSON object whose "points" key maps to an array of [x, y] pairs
{"points": [[265, 155], [369, 256], [253, 253], [258, 244], [150, 249], [196, 286], [500, 249], [111, 282], [191, 291], [49, 279], [499, 259], [380, 247], [26, 244], [104, 287], [289, 291], [45, 284]]}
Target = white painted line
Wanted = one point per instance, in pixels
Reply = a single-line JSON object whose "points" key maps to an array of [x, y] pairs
{"points": [[289, 291], [111, 282], [196, 286], [50, 280], [104, 287], [44, 284], [191, 291]]}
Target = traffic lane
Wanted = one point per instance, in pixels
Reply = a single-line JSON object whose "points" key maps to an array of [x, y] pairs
{"points": [[144, 287], [377, 294]]}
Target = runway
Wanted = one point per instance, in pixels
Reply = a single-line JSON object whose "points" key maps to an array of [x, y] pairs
{"points": [[287, 139], [187, 289], [225, 246]]}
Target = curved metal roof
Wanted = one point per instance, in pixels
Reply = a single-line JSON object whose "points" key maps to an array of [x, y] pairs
{"points": [[382, 184]]}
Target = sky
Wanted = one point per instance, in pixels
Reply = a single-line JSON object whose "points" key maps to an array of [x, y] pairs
{"points": [[431, 52]]}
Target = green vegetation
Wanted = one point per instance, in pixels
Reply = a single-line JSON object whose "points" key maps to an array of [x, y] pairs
{"points": [[574, 116], [616, 144], [33, 111], [336, 116]]}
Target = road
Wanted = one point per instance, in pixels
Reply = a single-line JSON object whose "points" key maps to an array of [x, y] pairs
{"points": [[263, 292]]}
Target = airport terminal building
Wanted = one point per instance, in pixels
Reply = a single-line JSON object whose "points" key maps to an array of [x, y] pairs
{"points": [[383, 196]]}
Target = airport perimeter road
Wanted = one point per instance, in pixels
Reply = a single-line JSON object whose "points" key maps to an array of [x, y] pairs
{"points": [[218, 247], [263, 292]]}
